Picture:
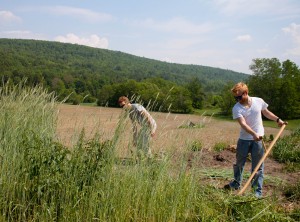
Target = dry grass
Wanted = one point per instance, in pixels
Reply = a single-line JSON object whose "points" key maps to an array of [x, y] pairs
{"points": [[103, 120]]}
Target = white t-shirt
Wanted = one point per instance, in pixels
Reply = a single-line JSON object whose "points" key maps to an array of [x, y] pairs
{"points": [[136, 115], [252, 116]]}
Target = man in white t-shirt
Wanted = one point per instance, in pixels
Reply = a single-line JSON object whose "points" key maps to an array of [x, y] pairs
{"points": [[247, 111], [138, 114]]}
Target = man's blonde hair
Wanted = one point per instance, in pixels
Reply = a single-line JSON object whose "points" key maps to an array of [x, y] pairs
{"points": [[239, 87], [123, 98]]}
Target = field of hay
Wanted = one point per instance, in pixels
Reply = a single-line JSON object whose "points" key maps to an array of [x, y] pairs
{"points": [[169, 136]]}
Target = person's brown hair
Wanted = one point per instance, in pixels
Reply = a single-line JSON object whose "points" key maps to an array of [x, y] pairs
{"points": [[239, 87]]}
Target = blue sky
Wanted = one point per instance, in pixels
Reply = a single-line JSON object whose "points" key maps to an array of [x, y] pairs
{"points": [[219, 33]]}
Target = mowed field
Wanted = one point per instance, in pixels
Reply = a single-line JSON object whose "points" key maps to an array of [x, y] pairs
{"points": [[169, 136]]}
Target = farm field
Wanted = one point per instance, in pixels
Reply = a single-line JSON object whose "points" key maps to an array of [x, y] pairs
{"points": [[173, 136], [170, 134], [41, 180]]}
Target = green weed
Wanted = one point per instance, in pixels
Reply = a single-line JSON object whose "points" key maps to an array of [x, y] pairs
{"points": [[220, 146], [287, 149], [195, 146]]}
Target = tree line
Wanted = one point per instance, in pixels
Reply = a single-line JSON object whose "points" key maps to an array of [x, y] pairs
{"points": [[278, 83], [157, 94], [81, 71], [83, 74]]}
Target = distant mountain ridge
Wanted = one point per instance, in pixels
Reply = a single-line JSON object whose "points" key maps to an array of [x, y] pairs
{"points": [[62, 61]]}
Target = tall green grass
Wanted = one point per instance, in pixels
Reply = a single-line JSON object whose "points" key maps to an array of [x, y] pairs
{"points": [[287, 149], [41, 180]]}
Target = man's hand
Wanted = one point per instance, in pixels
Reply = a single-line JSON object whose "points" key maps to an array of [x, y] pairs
{"points": [[257, 137], [281, 122]]}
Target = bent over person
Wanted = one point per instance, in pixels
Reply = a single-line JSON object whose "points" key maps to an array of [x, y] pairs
{"points": [[138, 114], [247, 111]]}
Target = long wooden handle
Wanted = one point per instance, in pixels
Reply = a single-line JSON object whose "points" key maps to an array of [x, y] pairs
{"points": [[262, 160]]}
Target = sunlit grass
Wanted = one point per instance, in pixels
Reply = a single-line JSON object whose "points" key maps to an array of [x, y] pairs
{"points": [[292, 124]]}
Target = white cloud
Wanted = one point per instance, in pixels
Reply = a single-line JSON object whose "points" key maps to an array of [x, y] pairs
{"points": [[243, 38], [80, 13], [293, 30], [92, 41], [8, 17]]}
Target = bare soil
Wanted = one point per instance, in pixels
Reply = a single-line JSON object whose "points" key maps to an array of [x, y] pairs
{"points": [[174, 136]]}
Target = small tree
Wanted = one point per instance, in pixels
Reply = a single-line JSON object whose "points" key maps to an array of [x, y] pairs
{"points": [[227, 101], [197, 94]]}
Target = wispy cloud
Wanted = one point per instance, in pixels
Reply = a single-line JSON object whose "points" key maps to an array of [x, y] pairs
{"points": [[244, 38], [257, 7], [262, 51], [175, 25], [22, 34], [79, 13], [182, 43], [8, 17], [92, 41], [293, 30]]}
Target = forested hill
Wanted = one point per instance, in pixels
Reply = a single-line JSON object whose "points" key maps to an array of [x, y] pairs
{"points": [[81, 70], [54, 59]]}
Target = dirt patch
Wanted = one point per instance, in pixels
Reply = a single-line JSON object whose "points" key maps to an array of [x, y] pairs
{"points": [[226, 158]]}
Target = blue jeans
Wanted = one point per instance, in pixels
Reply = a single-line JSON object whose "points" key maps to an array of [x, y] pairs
{"points": [[256, 150]]}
